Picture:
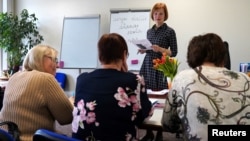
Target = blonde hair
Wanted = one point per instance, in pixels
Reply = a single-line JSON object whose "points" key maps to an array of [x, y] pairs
{"points": [[159, 6], [34, 58]]}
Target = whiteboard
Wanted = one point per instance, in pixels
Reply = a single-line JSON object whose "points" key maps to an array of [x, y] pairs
{"points": [[79, 41], [131, 24]]}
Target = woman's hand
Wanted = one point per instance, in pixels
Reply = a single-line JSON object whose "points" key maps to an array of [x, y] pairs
{"points": [[156, 48]]}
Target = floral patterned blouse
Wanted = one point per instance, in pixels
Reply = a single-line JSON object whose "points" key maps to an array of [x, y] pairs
{"points": [[206, 96], [109, 105]]}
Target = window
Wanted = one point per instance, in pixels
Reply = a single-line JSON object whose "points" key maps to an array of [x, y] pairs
{"points": [[5, 6]]}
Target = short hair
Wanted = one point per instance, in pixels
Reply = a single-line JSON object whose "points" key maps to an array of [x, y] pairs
{"points": [[227, 63], [111, 48], [206, 48], [34, 58], [159, 6]]}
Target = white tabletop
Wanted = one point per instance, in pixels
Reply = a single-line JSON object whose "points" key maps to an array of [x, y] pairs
{"points": [[3, 83], [155, 120]]}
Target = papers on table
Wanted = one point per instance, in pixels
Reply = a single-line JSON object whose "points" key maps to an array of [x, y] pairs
{"points": [[157, 103], [4, 78], [162, 92], [143, 44], [153, 101], [3, 83]]}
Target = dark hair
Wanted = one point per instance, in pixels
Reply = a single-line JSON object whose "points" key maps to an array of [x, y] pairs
{"points": [[206, 48], [159, 6], [111, 48], [227, 63]]}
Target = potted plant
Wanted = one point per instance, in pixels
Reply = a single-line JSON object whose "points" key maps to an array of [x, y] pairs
{"points": [[17, 36]]}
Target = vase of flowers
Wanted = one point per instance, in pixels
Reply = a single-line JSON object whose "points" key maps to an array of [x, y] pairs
{"points": [[168, 66]]}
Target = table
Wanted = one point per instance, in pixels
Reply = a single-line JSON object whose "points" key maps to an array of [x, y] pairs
{"points": [[3, 83], [155, 120], [154, 123]]}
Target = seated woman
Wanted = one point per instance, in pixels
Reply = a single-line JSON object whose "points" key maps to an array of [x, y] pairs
{"points": [[110, 102], [33, 99], [207, 93]]}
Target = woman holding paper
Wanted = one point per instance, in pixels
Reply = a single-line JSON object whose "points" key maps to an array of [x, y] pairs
{"points": [[163, 39]]}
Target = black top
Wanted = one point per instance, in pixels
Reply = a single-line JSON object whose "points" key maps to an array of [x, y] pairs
{"points": [[111, 119]]}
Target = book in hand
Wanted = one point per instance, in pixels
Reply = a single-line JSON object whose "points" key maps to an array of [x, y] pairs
{"points": [[143, 44]]}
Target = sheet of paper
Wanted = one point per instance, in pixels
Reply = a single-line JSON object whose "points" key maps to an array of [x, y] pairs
{"points": [[156, 103], [153, 100], [162, 92], [143, 44]]}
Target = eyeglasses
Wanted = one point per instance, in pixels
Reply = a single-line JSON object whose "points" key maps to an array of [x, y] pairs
{"points": [[55, 60]]}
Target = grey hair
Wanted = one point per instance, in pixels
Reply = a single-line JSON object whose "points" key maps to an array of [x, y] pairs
{"points": [[34, 58]]}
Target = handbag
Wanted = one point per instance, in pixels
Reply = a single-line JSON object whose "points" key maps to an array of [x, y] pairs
{"points": [[170, 120], [12, 134]]}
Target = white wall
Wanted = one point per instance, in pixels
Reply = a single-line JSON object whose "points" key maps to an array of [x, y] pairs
{"points": [[228, 18]]}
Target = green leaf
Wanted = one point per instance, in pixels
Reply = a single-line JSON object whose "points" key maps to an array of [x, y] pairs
{"points": [[17, 36]]}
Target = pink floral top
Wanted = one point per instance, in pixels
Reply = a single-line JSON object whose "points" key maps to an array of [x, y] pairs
{"points": [[109, 105]]}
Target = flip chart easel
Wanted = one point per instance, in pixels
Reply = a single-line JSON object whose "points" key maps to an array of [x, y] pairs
{"points": [[131, 24]]}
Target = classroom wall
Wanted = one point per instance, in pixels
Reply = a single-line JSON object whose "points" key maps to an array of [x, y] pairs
{"points": [[228, 18]]}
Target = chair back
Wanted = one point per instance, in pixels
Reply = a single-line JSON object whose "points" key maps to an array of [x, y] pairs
{"points": [[61, 79], [227, 59], [46, 135], [5, 136]]}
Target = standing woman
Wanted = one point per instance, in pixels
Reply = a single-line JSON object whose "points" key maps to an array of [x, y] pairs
{"points": [[163, 39]]}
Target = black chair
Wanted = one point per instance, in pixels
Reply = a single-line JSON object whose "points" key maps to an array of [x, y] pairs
{"points": [[1, 97], [46, 135], [227, 59], [5, 136], [12, 134]]}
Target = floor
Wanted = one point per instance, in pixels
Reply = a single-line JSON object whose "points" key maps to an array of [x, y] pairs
{"points": [[66, 129]]}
